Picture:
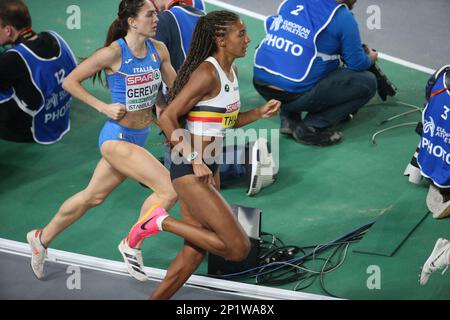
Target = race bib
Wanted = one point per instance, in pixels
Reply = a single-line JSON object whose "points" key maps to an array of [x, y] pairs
{"points": [[229, 119], [231, 115], [142, 89]]}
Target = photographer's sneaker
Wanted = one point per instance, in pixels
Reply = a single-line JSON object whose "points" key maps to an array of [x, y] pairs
{"points": [[413, 174], [287, 126], [315, 136], [412, 170], [438, 259], [38, 253], [436, 203], [133, 260]]}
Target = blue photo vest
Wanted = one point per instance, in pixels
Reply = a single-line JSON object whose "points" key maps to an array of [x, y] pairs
{"points": [[434, 148], [51, 118], [200, 5], [7, 95], [289, 48], [186, 22]]}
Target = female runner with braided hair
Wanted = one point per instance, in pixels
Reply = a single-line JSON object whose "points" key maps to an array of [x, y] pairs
{"points": [[206, 95]]}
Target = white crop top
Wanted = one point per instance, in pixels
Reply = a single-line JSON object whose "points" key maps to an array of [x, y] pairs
{"points": [[212, 117]]}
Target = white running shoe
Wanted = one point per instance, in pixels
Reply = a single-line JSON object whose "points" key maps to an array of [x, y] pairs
{"points": [[437, 260], [133, 260], [38, 253], [263, 168], [436, 204], [413, 174], [412, 170]]}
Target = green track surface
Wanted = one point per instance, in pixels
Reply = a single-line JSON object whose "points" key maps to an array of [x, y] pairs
{"points": [[320, 194]]}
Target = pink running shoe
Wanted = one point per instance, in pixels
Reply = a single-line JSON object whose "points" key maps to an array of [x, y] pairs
{"points": [[148, 226]]}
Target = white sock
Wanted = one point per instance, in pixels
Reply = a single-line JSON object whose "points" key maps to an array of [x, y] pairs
{"points": [[159, 222]]}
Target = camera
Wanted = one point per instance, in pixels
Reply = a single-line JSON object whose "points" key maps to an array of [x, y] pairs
{"points": [[384, 86]]}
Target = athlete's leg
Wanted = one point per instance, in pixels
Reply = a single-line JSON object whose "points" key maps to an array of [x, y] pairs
{"points": [[104, 180], [221, 233], [227, 237], [184, 264], [137, 163], [187, 260]]}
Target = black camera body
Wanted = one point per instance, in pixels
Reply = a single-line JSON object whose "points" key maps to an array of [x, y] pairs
{"points": [[384, 86]]}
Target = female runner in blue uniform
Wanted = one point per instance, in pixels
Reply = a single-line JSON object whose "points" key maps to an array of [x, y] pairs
{"points": [[134, 67]]}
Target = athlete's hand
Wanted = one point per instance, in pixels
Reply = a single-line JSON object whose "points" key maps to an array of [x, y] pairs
{"points": [[115, 111], [270, 108], [203, 173]]}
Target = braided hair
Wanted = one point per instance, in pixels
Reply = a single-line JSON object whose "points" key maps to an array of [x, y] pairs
{"points": [[203, 44]]}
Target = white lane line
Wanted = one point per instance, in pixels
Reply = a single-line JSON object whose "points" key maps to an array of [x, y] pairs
{"points": [[116, 267], [236, 9]]}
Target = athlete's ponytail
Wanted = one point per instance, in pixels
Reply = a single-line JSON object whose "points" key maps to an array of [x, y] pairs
{"points": [[119, 27]]}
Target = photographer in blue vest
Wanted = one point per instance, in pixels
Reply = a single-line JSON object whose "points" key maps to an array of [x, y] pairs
{"points": [[433, 162], [299, 63], [432, 158], [33, 104], [177, 20]]}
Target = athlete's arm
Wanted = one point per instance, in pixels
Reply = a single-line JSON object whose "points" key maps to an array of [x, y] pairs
{"points": [[104, 58], [267, 110], [203, 84]]}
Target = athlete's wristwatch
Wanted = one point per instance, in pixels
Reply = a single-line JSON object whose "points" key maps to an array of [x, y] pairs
{"points": [[192, 156]]}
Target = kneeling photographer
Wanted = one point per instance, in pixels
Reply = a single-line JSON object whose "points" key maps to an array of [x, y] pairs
{"points": [[432, 157], [300, 63]]}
